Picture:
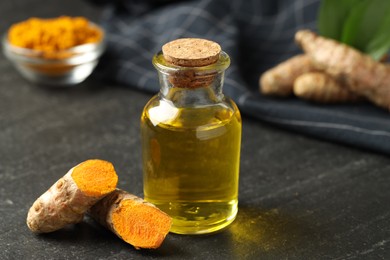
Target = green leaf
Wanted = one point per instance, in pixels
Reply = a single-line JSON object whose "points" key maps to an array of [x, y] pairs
{"points": [[379, 45], [362, 24], [331, 17]]}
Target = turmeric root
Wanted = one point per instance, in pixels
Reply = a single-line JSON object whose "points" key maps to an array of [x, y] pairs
{"points": [[71, 196], [279, 80], [132, 219], [320, 87], [363, 75], [282, 80]]}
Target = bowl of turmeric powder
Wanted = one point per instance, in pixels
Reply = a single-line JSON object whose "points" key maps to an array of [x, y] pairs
{"points": [[60, 51]]}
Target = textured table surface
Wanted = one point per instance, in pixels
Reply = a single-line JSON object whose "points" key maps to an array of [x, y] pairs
{"points": [[300, 198]]}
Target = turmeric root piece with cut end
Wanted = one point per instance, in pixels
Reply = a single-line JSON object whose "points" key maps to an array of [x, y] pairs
{"points": [[132, 219], [361, 74], [320, 87], [279, 80], [71, 196]]}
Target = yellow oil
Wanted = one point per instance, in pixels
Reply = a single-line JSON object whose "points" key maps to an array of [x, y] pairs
{"points": [[191, 163]]}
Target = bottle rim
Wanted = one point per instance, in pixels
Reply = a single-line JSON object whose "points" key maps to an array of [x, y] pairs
{"points": [[162, 65]]}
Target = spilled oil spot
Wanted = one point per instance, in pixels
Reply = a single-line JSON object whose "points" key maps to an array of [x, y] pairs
{"points": [[268, 231]]}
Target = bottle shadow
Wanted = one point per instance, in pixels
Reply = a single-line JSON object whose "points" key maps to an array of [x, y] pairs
{"points": [[256, 233]]}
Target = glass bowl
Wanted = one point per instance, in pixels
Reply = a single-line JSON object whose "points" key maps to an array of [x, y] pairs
{"points": [[61, 68]]}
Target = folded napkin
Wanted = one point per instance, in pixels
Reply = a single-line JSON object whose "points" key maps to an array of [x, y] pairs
{"points": [[257, 35]]}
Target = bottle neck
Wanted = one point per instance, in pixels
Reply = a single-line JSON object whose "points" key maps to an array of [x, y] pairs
{"points": [[191, 86], [183, 94]]}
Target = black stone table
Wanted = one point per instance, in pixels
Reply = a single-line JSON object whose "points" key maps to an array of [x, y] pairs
{"points": [[300, 198]]}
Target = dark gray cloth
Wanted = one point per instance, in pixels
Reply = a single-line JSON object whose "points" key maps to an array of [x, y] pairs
{"points": [[257, 34]]}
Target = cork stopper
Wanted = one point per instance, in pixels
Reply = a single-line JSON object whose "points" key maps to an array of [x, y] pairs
{"points": [[191, 52]]}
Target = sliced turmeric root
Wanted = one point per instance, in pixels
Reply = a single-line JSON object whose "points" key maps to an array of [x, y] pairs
{"points": [[132, 219], [322, 88], [71, 196]]}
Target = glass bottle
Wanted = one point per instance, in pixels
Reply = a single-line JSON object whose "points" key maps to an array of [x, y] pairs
{"points": [[191, 136]]}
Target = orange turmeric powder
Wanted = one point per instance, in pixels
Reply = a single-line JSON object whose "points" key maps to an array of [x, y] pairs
{"points": [[71, 196], [51, 36], [134, 220]]}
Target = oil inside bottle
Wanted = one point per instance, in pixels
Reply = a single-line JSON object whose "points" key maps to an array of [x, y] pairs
{"points": [[191, 163]]}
